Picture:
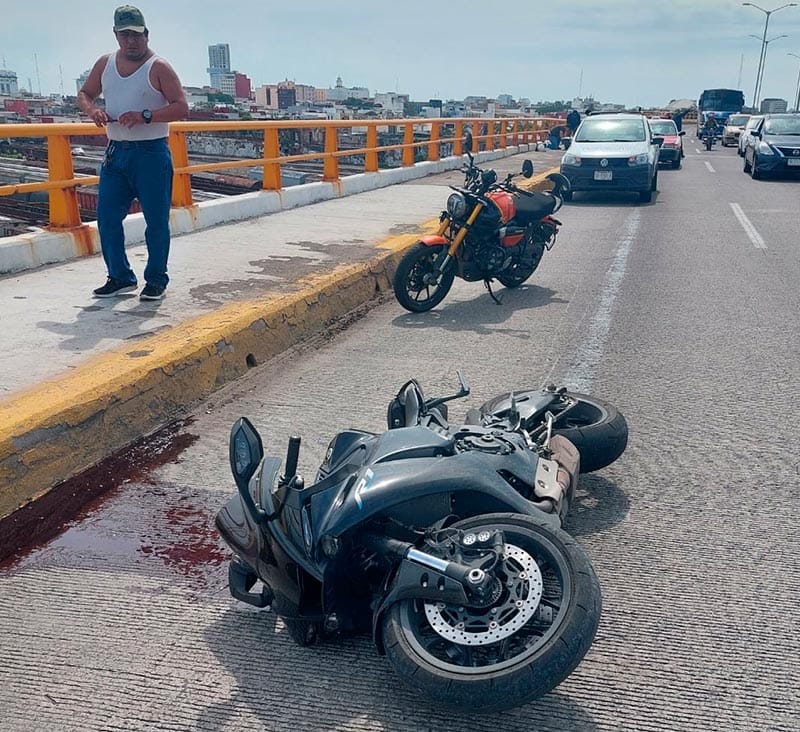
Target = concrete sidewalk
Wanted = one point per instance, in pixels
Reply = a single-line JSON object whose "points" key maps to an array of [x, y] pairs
{"points": [[83, 377]]}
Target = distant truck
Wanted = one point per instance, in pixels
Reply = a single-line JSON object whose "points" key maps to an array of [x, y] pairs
{"points": [[722, 102]]}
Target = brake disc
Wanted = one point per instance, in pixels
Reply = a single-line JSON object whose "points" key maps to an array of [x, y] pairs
{"points": [[522, 592]]}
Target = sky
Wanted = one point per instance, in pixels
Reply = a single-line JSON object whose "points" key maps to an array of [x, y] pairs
{"points": [[632, 52]]}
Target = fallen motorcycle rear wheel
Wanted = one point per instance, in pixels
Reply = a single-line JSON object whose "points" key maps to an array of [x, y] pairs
{"points": [[524, 644], [412, 286], [596, 427]]}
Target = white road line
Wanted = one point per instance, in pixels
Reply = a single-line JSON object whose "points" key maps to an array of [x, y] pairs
{"points": [[748, 227], [580, 373], [698, 151], [710, 167]]}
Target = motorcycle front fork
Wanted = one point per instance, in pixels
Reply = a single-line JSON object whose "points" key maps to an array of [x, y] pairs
{"points": [[439, 268]]}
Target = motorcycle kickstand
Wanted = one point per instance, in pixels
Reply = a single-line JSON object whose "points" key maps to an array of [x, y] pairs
{"points": [[488, 284]]}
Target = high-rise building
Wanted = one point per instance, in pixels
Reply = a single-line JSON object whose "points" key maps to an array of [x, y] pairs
{"points": [[8, 83], [81, 80], [219, 64]]}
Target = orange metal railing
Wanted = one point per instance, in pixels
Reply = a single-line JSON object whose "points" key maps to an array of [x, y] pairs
{"points": [[489, 134]]}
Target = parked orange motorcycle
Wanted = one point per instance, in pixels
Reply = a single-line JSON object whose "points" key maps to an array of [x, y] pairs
{"points": [[490, 230]]}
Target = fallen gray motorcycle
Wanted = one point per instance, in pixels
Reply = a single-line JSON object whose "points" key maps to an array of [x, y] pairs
{"points": [[444, 542]]}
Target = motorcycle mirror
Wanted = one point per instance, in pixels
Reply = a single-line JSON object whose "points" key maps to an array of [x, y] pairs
{"points": [[527, 168], [246, 451], [468, 141]]}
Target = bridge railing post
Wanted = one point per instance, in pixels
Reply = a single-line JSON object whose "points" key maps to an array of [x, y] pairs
{"points": [[181, 182], [371, 158], [272, 171], [458, 143], [64, 210], [408, 142], [330, 168], [433, 145]]}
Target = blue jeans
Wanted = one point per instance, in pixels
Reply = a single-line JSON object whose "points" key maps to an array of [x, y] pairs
{"points": [[137, 169]]}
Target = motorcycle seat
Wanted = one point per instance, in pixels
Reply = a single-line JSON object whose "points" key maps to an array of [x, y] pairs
{"points": [[534, 206]]}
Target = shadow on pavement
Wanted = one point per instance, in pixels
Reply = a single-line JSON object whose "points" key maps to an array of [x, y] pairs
{"points": [[343, 685], [599, 504], [481, 313]]}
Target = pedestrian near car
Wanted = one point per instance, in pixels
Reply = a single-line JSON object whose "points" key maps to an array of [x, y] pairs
{"points": [[142, 95], [677, 118], [554, 135], [573, 120]]}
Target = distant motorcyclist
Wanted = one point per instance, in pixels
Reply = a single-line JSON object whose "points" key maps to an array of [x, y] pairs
{"points": [[710, 126]]}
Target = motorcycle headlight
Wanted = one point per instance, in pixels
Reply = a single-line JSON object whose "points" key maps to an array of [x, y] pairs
{"points": [[640, 159], [764, 148], [457, 205], [570, 159]]}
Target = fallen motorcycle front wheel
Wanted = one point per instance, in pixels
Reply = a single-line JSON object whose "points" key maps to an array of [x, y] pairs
{"points": [[514, 649]]}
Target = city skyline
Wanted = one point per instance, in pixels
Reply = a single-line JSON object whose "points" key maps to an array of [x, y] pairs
{"points": [[623, 52]]}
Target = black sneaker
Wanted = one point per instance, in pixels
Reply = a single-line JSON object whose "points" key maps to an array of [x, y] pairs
{"points": [[151, 292], [113, 287]]}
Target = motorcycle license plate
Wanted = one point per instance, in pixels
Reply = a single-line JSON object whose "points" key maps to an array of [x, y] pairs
{"points": [[603, 175], [792, 161]]}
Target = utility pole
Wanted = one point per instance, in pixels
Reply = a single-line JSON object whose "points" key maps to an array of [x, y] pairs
{"points": [[741, 64]]}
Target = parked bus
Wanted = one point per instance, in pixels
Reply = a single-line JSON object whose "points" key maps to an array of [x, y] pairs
{"points": [[722, 102]]}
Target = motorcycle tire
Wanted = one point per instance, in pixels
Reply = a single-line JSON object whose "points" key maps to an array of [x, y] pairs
{"points": [[596, 427], [708, 143], [303, 632], [410, 290], [516, 659], [518, 273]]}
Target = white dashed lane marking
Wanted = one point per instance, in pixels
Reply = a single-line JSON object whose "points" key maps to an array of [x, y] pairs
{"points": [[747, 225]]}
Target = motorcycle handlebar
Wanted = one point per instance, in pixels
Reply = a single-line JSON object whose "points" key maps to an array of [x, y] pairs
{"points": [[292, 454]]}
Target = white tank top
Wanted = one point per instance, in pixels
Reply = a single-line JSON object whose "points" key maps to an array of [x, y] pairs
{"points": [[132, 93]]}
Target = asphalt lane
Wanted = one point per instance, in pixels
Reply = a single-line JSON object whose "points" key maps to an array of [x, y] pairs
{"points": [[666, 309]]}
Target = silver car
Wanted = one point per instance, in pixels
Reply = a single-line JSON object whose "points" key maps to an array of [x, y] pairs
{"points": [[733, 129], [746, 138]]}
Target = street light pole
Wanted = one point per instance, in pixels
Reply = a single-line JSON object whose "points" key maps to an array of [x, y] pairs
{"points": [[762, 57], [765, 47], [797, 98]]}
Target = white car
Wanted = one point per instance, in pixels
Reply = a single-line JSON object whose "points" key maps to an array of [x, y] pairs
{"points": [[613, 152], [746, 138], [78, 151]]}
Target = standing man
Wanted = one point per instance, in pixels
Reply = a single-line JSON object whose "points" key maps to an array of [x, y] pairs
{"points": [[677, 118], [142, 95], [573, 120]]}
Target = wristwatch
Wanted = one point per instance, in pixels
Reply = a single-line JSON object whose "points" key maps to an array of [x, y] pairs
{"points": [[147, 116]]}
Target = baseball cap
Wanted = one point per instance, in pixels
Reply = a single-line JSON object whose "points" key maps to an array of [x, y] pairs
{"points": [[127, 17]]}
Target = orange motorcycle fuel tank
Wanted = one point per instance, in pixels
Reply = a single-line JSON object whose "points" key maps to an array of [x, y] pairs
{"points": [[505, 202]]}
